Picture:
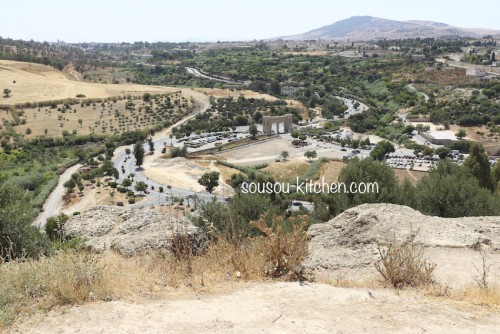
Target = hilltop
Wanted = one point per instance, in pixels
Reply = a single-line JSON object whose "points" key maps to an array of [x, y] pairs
{"points": [[370, 28]]}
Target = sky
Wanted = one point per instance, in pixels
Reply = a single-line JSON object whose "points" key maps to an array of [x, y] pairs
{"points": [[216, 20]]}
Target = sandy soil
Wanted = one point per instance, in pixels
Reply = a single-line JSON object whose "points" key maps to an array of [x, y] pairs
{"points": [[35, 82], [183, 173], [271, 308]]}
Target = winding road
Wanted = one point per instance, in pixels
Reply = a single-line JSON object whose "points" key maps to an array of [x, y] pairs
{"points": [[196, 72], [53, 205]]}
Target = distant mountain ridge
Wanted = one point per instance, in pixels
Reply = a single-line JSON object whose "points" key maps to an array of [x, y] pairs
{"points": [[363, 28]]}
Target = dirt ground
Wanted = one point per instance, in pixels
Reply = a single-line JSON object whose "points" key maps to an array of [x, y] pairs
{"points": [[184, 173], [35, 82], [271, 308]]}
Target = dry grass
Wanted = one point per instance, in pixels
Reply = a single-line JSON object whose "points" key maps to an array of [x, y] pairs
{"points": [[468, 294], [411, 175], [71, 277], [287, 171], [35, 82], [331, 170]]}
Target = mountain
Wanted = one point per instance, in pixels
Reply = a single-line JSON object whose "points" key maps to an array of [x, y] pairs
{"points": [[364, 28]]}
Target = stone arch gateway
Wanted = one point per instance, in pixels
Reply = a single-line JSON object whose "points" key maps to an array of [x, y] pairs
{"points": [[269, 121]]}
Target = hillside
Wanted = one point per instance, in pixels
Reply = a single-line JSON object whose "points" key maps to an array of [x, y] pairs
{"points": [[34, 82], [370, 28]]}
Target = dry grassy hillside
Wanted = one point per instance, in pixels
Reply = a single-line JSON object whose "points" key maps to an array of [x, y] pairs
{"points": [[35, 82]]}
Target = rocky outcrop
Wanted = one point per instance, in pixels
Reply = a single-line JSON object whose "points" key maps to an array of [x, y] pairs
{"points": [[350, 240], [132, 232]]}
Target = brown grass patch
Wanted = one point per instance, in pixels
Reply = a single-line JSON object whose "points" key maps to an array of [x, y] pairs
{"points": [[36, 82], [286, 171], [76, 277], [331, 170], [411, 175]]}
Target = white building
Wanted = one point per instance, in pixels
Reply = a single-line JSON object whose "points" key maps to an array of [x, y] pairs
{"points": [[476, 72], [290, 90]]}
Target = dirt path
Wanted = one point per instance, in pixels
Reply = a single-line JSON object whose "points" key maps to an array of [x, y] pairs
{"points": [[53, 205], [270, 308]]}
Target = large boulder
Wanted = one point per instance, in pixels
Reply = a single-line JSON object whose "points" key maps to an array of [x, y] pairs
{"points": [[348, 244], [132, 232]]}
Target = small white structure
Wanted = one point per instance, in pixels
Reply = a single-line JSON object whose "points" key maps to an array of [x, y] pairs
{"points": [[494, 64], [290, 90], [476, 72]]}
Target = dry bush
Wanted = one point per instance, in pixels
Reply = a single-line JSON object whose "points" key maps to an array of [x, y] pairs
{"points": [[403, 265], [283, 251], [482, 280]]}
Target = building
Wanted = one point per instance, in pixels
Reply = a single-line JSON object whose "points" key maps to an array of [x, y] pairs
{"points": [[445, 138], [290, 90], [476, 72]]}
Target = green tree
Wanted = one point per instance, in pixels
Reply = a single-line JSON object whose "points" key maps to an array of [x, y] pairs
{"points": [[285, 155], [209, 180], [311, 155], [146, 97], [460, 134], [151, 145], [253, 130], [54, 227], [495, 174], [140, 186], [381, 150], [18, 236], [369, 171], [275, 87], [452, 191], [6, 92], [443, 152], [479, 166], [427, 151], [70, 185], [126, 183], [139, 154]]}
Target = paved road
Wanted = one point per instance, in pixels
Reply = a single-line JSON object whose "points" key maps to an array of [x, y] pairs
{"points": [[155, 197], [426, 97], [197, 73], [53, 204]]}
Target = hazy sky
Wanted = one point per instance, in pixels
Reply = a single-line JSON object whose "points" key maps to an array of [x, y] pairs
{"points": [[212, 20]]}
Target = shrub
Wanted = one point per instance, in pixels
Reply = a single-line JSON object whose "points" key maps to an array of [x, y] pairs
{"points": [[403, 265], [283, 251]]}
